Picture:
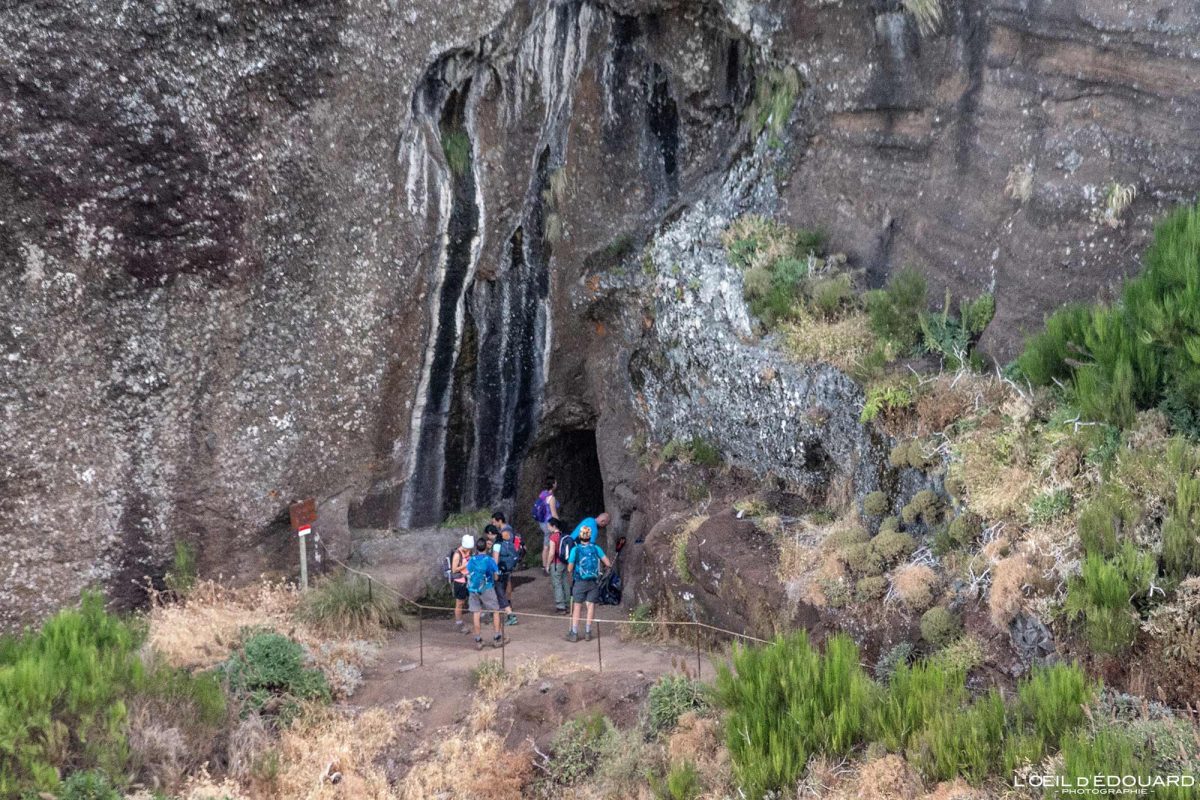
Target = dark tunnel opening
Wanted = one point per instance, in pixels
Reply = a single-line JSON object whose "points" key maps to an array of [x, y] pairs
{"points": [[571, 457]]}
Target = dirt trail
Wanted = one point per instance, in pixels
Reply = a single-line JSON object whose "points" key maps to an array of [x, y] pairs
{"points": [[450, 656]]}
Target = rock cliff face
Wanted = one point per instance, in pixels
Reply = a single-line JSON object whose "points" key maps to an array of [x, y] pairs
{"points": [[404, 260]]}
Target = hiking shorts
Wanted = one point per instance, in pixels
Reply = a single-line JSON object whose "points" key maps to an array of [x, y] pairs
{"points": [[460, 590], [545, 526], [484, 601], [586, 590]]}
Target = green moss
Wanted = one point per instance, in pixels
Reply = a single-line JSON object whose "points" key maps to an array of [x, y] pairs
{"points": [[925, 506], [876, 504], [939, 626], [889, 524], [870, 588], [892, 547], [964, 529], [456, 146], [862, 559], [909, 453]]}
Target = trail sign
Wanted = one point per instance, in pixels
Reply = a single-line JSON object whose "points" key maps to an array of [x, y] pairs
{"points": [[304, 514]]}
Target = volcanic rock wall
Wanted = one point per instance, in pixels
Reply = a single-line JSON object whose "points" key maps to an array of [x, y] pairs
{"points": [[390, 256]]}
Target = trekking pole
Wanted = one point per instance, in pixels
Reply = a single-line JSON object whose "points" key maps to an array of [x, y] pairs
{"points": [[421, 632], [599, 655]]}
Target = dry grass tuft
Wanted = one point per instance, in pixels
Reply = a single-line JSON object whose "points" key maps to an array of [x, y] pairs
{"points": [[1010, 576], [202, 787], [886, 778], [915, 585], [958, 789], [449, 771], [698, 740], [327, 743], [843, 343], [204, 629]]}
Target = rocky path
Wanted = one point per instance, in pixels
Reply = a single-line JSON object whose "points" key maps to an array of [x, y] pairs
{"points": [[449, 656]]}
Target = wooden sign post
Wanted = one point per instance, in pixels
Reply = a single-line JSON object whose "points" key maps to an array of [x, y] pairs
{"points": [[304, 515]]}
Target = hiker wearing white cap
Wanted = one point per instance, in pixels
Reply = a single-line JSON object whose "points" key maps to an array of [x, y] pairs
{"points": [[458, 579]]}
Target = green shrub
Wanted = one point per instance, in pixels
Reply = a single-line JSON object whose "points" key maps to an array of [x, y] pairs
{"points": [[831, 296], [847, 535], [1181, 543], [88, 786], [704, 453], [966, 743], [962, 655], [268, 673], [910, 453], [681, 783], [182, 576], [1108, 752], [456, 146], [889, 524], [885, 398], [892, 547], [775, 96], [1103, 521], [862, 559], [925, 506], [468, 519], [786, 701], [1050, 703], [870, 588], [671, 697], [642, 617], [965, 529], [939, 626], [895, 310], [1049, 506], [888, 662], [486, 673], [1140, 352], [876, 504], [580, 746], [346, 603], [953, 338], [914, 695], [1101, 594]]}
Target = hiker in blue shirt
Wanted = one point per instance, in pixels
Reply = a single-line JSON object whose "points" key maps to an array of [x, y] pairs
{"points": [[481, 592], [584, 566], [597, 522]]}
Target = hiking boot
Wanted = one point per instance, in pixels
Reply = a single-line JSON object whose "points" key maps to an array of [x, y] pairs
{"points": [[478, 642], [572, 636], [498, 641], [588, 634], [512, 620], [560, 610]]}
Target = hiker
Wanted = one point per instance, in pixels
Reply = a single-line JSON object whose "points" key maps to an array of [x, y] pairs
{"points": [[597, 522], [545, 508], [499, 522], [481, 590], [560, 552], [458, 578], [505, 556], [584, 567]]}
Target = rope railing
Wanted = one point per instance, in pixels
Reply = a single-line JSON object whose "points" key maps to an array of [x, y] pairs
{"points": [[422, 607]]}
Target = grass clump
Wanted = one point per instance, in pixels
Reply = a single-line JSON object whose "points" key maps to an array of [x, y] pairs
{"points": [[775, 96], [671, 697], [892, 547], [914, 695], [876, 504], [925, 506], [940, 627], [895, 310], [909, 453], [786, 701], [1180, 541], [682, 782], [88, 785], [580, 746], [347, 604], [487, 675], [182, 575], [1049, 506], [456, 146], [468, 519], [269, 675], [1100, 596], [1104, 521], [870, 588], [1141, 352]]}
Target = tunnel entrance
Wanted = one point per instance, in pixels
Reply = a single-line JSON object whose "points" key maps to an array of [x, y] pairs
{"points": [[571, 457]]}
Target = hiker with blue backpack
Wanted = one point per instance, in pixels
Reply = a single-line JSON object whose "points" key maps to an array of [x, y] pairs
{"points": [[505, 555], [545, 508], [481, 592], [584, 567]]}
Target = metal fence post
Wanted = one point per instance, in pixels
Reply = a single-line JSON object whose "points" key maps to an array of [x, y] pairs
{"points": [[421, 632], [599, 655]]}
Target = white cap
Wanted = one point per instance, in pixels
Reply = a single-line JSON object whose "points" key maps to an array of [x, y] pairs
{"points": [[468, 541]]}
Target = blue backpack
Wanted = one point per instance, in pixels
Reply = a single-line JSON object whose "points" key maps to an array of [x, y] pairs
{"points": [[477, 579], [587, 562], [508, 556], [541, 508]]}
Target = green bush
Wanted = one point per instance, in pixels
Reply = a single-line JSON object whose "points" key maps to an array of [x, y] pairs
{"points": [[870, 588], [88, 786], [486, 673], [925, 506], [910, 453], [346, 603], [914, 695], [1103, 521], [889, 524], [939, 626], [887, 663], [671, 697], [895, 311], [1050, 703], [966, 743], [580, 746], [892, 547], [1181, 543], [268, 672], [876, 504], [182, 576], [704, 453], [681, 783], [1143, 351], [786, 701], [862, 560], [885, 398], [1049, 506], [964, 529], [1101, 593], [953, 338], [831, 296]]}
